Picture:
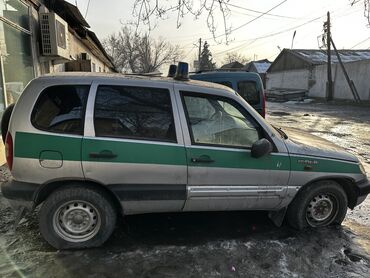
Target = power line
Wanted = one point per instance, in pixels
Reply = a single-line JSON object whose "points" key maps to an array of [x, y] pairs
{"points": [[270, 35], [259, 12], [241, 12], [189, 52], [278, 33], [250, 21], [360, 42], [339, 13], [87, 9], [187, 37]]}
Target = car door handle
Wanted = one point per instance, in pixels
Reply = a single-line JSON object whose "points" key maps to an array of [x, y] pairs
{"points": [[102, 154], [202, 159]]}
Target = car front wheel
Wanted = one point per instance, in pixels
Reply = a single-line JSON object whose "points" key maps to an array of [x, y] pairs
{"points": [[322, 203], [77, 217]]}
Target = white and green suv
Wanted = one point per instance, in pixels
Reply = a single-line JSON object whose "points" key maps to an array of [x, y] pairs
{"points": [[87, 147]]}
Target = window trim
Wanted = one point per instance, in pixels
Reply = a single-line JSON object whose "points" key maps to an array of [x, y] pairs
{"points": [[175, 141], [83, 115], [260, 130]]}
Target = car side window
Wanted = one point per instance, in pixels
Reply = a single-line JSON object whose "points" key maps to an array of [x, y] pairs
{"points": [[134, 112], [61, 109], [248, 91], [227, 125]]}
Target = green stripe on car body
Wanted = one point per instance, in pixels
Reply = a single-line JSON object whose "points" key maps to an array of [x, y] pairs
{"points": [[239, 159], [131, 152], [324, 165], [30, 145]]}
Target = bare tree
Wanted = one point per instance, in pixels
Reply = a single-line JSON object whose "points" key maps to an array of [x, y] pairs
{"points": [[122, 47], [137, 53], [235, 57], [155, 53], [366, 8], [149, 11]]}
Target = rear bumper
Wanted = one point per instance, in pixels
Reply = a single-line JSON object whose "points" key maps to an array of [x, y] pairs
{"points": [[20, 194], [363, 189]]}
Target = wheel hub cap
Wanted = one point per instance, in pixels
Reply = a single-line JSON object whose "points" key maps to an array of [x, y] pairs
{"points": [[77, 221], [320, 209]]}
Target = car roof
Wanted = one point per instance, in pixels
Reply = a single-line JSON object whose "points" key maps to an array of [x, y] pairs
{"points": [[220, 74], [91, 76]]}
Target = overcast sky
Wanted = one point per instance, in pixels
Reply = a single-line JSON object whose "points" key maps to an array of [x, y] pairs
{"points": [[259, 39]]}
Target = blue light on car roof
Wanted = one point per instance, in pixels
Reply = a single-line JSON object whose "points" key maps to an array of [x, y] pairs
{"points": [[172, 71], [182, 72]]}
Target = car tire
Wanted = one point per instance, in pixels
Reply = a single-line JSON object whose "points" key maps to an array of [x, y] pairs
{"points": [[77, 217], [320, 204], [5, 120]]}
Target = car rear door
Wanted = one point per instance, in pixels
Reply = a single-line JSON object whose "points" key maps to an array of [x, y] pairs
{"points": [[222, 174], [133, 144]]}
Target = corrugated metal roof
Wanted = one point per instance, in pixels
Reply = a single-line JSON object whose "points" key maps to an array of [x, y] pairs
{"points": [[233, 65], [318, 56], [261, 67]]}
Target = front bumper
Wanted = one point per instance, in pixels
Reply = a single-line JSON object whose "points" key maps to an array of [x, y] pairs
{"points": [[20, 194], [363, 189]]}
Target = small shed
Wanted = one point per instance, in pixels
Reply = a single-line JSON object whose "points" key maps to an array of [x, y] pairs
{"points": [[233, 66], [305, 69], [260, 67]]}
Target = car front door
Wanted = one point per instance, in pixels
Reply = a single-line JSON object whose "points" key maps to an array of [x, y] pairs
{"points": [[222, 174], [133, 145]]}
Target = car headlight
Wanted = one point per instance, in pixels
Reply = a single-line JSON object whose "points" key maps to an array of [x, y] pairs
{"points": [[362, 168]]}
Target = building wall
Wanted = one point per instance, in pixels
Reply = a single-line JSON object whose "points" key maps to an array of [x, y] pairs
{"points": [[77, 47], [358, 71], [20, 52], [293, 79]]}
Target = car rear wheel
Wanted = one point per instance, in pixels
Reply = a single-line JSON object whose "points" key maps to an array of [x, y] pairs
{"points": [[321, 204], [77, 217]]}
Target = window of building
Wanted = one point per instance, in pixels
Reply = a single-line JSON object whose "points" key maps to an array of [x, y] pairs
{"points": [[134, 112], [16, 61], [61, 109], [219, 121], [93, 67]]}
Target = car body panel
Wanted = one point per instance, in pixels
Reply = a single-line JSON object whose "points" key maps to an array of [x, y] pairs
{"points": [[153, 176]]}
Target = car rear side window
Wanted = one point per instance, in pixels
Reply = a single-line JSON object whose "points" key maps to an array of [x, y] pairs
{"points": [[61, 109], [248, 90], [134, 112]]}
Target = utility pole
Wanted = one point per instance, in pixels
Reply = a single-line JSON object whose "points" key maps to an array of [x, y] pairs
{"points": [[349, 81], [330, 94], [199, 52], [295, 32]]}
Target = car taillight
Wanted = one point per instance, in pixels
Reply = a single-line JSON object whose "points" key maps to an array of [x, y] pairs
{"points": [[9, 150], [263, 105]]}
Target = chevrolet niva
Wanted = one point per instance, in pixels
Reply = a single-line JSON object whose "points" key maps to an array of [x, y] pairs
{"points": [[86, 147]]}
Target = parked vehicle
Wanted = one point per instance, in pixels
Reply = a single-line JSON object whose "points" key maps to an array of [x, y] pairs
{"points": [[87, 147], [248, 84]]}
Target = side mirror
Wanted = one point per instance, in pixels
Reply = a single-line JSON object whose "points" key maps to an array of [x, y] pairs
{"points": [[261, 147]]}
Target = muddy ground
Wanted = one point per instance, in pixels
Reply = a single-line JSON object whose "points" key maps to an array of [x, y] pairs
{"points": [[236, 244]]}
